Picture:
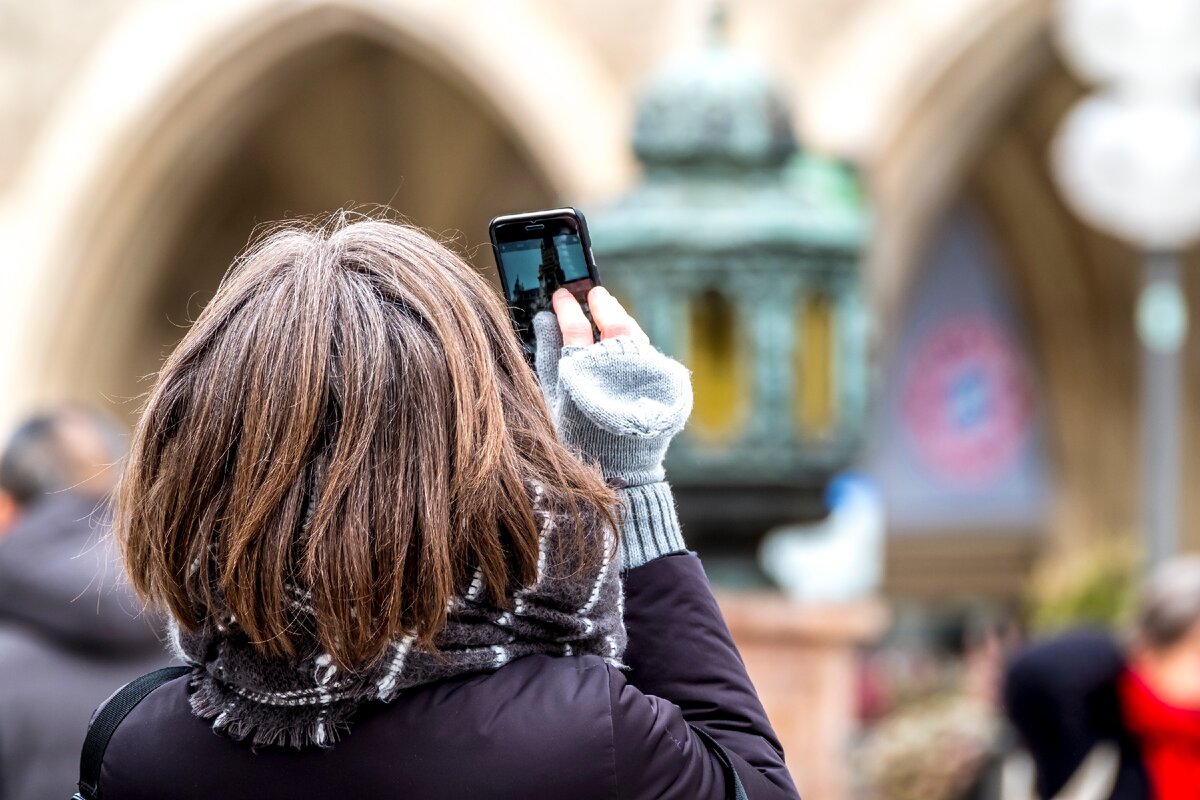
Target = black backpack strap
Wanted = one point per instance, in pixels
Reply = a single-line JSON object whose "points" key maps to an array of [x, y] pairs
{"points": [[734, 790], [110, 715]]}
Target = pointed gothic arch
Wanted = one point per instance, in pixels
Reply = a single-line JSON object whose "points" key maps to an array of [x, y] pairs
{"points": [[172, 92]]}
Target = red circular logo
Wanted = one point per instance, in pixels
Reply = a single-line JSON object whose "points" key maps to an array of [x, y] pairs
{"points": [[967, 401]]}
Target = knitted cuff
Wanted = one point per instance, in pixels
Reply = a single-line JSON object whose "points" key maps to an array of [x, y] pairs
{"points": [[650, 527]]}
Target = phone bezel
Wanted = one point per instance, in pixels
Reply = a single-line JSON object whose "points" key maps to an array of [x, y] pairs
{"points": [[556, 222]]}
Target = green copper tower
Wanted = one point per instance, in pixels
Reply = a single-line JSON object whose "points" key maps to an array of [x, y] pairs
{"points": [[740, 254]]}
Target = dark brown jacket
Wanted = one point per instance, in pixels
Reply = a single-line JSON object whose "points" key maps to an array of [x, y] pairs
{"points": [[539, 727]]}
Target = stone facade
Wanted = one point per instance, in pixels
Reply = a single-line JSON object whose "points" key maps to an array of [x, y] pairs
{"points": [[141, 139]]}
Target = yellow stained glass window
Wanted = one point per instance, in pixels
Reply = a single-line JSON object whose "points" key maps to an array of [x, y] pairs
{"points": [[816, 370], [718, 367]]}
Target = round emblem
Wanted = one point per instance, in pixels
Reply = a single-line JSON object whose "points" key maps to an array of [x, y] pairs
{"points": [[967, 401]]}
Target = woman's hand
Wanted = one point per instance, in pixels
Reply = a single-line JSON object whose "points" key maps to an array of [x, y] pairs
{"points": [[618, 401], [611, 318]]}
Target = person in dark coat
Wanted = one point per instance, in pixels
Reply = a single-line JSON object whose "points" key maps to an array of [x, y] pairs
{"points": [[1070, 694], [399, 567], [70, 627]]}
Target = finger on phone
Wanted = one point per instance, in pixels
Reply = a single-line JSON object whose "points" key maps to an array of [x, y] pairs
{"points": [[611, 317], [576, 330]]}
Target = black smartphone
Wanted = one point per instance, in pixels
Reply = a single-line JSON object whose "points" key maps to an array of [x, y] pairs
{"points": [[537, 252]]}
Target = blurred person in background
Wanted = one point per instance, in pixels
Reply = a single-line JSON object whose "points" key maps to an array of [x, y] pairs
{"points": [[1087, 690], [392, 560], [70, 627]]}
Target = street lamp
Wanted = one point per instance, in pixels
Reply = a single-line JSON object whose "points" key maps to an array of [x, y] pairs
{"points": [[1127, 159]]}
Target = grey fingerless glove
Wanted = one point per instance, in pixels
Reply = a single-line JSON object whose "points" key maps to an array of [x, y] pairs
{"points": [[617, 401], [620, 402]]}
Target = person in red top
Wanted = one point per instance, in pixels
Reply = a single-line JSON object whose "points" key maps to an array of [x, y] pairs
{"points": [[1160, 688], [1068, 694]]}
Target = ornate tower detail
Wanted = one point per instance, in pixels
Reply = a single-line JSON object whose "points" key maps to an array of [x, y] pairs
{"points": [[740, 255], [550, 273]]}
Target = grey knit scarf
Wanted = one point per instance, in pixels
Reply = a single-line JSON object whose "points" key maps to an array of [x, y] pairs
{"points": [[304, 701]]}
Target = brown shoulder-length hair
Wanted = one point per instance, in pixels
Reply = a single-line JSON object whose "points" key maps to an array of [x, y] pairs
{"points": [[351, 412]]}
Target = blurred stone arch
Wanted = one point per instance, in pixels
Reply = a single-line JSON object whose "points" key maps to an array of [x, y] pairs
{"points": [[968, 116], [186, 131]]}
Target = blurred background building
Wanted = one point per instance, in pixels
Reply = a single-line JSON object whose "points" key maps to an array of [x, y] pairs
{"points": [[141, 142]]}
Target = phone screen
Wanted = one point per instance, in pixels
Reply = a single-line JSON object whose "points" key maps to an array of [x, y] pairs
{"points": [[533, 268]]}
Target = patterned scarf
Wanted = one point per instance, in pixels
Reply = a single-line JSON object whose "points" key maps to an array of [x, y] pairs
{"points": [[309, 701]]}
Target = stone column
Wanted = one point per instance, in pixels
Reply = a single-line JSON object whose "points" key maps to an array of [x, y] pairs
{"points": [[803, 660]]}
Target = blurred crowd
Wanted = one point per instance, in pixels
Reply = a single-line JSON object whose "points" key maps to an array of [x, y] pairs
{"points": [[1089, 712], [71, 630]]}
